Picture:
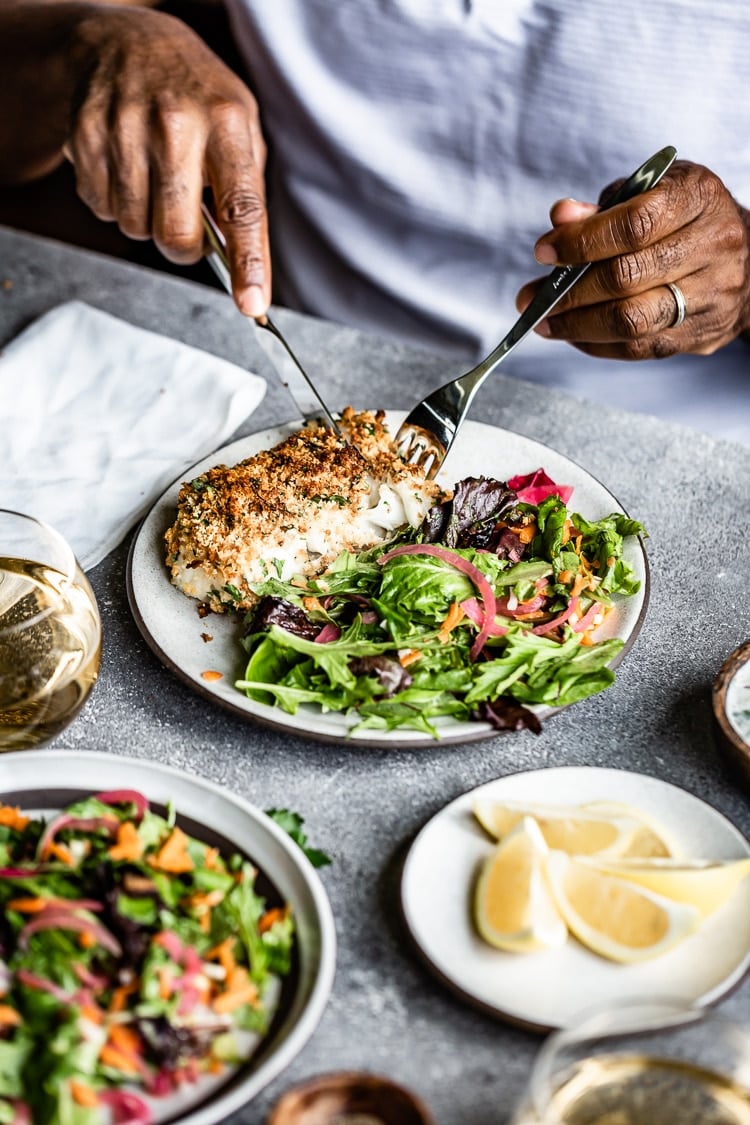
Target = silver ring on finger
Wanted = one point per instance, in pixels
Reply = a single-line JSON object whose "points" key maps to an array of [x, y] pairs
{"points": [[680, 304]]}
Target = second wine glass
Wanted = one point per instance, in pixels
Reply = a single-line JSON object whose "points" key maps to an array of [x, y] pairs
{"points": [[645, 1062]]}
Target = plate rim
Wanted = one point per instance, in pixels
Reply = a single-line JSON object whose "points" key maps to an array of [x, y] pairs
{"points": [[367, 739], [239, 1091], [712, 998]]}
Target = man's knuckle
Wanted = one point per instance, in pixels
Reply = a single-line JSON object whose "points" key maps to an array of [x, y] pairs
{"points": [[640, 224], [179, 246], [630, 320], [634, 349], [626, 272], [122, 189], [233, 115], [711, 190], [251, 267], [734, 234], [185, 242], [242, 209], [662, 347], [174, 124], [96, 199]]}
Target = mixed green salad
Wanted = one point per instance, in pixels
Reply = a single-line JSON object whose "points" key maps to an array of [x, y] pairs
{"points": [[487, 609], [134, 959]]}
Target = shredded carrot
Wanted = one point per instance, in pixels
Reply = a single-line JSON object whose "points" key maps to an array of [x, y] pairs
{"points": [[565, 576], [86, 940], [211, 674], [12, 817], [527, 532], [129, 844], [35, 904], [92, 1013], [276, 914], [580, 582], [567, 528], [204, 898], [59, 851], [409, 657], [82, 1094], [223, 953], [119, 1060], [312, 603], [173, 855], [9, 1016], [215, 1066], [454, 617], [124, 1038], [234, 998], [119, 1000], [611, 560], [586, 638], [238, 979], [165, 983], [240, 990], [30, 905], [211, 858], [204, 921]]}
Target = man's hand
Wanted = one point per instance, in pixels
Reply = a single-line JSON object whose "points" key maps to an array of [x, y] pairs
{"points": [[687, 230], [149, 117]]}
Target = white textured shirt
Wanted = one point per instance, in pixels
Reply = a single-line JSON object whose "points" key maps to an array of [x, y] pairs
{"points": [[417, 145]]}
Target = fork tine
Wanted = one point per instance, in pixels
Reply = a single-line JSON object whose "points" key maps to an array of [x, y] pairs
{"points": [[417, 446]]}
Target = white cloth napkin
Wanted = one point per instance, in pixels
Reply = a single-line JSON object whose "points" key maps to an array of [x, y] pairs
{"points": [[97, 417]]}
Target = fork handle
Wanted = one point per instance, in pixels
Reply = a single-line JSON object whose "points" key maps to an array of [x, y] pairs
{"points": [[564, 278]]}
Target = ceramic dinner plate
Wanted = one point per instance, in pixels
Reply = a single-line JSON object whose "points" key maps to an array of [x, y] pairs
{"points": [[191, 646], [44, 781], [545, 990]]}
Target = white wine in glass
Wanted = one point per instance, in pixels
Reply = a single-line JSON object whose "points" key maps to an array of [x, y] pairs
{"points": [[656, 1062], [50, 633]]}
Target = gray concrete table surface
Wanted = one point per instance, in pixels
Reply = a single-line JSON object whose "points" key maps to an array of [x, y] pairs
{"points": [[387, 1013]]}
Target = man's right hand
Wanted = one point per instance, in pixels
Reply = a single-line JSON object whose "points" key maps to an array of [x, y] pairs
{"points": [[153, 118]]}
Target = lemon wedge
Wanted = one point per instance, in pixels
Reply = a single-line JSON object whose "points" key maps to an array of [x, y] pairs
{"points": [[613, 917], [513, 907], [651, 840], [705, 884], [575, 829]]}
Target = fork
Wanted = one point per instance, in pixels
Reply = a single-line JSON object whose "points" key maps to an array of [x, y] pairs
{"points": [[429, 430]]}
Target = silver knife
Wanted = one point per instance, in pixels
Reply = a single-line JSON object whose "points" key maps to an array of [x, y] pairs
{"points": [[292, 373]]}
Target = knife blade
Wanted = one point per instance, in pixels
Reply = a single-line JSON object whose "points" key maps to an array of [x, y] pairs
{"points": [[291, 372]]}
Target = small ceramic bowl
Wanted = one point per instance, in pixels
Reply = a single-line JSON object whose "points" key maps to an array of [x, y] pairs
{"points": [[349, 1098], [731, 704]]}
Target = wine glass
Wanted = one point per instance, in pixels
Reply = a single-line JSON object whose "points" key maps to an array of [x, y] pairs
{"points": [[645, 1062], [50, 633]]}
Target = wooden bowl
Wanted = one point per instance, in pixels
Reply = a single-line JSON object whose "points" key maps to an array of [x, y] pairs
{"points": [[365, 1099], [731, 706]]}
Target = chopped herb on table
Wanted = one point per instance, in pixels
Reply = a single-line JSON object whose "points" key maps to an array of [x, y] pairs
{"points": [[292, 823], [486, 610], [134, 959]]}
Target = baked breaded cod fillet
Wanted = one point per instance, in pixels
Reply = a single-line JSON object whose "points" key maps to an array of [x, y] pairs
{"points": [[292, 509]]}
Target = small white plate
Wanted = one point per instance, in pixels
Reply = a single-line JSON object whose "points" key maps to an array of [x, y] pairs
{"points": [[544, 990], [43, 781], [171, 626]]}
